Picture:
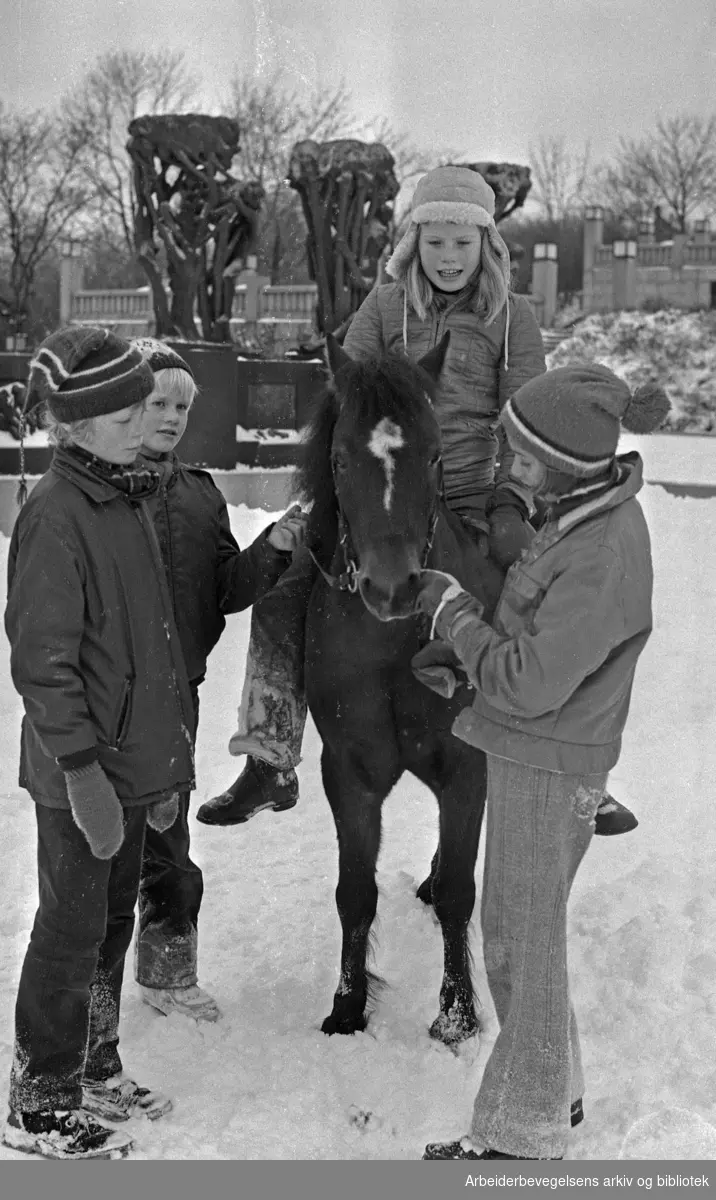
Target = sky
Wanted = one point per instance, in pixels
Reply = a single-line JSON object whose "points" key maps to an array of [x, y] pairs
{"points": [[487, 80]]}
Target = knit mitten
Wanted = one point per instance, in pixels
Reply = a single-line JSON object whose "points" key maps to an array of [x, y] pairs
{"points": [[163, 813], [96, 809]]}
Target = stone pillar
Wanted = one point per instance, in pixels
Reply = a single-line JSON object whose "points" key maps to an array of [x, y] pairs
{"points": [[71, 277], [624, 294], [593, 232], [254, 283], [545, 268], [702, 232]]}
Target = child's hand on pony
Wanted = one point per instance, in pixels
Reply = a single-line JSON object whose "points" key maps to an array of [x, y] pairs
{"points": [[289, 532]]}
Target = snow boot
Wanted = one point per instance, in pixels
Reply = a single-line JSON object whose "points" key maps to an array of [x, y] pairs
{"points": [[464, 1149], [259, 786], [187, 1001], [64, 1134], [613, 817], [119, 1098]]}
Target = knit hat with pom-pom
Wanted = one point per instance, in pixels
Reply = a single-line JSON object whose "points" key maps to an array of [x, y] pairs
{"points": [[570, 418]]}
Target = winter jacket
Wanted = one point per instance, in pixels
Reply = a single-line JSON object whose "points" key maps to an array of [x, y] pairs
{"points": [[207, 574], [479, 375], [95, 653], [553, 676]]}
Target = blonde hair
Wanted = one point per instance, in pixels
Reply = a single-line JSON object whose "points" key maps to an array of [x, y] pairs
{"points": [[491, 279], [176, 382], [65, 433]]}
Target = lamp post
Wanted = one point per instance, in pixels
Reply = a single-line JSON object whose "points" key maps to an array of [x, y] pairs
{"points": [[545, 270], [624, 292], [71, 271], [592, 234]]}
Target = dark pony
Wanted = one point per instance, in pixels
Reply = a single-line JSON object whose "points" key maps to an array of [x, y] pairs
{"points": [[372, 471]]}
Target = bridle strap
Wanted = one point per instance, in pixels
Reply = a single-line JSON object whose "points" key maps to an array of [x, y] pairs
{"points": [[347, 581]]}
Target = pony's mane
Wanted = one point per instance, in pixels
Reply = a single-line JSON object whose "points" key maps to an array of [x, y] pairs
{"points": [[388, 387]]}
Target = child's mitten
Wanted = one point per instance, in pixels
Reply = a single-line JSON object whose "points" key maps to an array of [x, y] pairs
{"points": [[163, 813], [96, 809]]}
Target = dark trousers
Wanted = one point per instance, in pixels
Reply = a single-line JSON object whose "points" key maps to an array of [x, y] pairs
{"points": [[67, 1011], [170, 892]]}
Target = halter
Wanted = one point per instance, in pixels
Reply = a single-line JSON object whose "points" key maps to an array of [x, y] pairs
{"points": [[347, 581]]}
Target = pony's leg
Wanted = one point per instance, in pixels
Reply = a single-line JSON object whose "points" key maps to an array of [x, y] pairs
{"points": [[462, 802], [357, 814]]}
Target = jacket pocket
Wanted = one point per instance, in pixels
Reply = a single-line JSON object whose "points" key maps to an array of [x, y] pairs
{"points": [[123, 711]]}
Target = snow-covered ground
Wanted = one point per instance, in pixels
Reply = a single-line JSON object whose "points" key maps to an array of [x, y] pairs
{"points": [[265, 1083]]}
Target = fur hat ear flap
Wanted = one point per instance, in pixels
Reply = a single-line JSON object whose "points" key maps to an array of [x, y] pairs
{"points": [[499, 247], [647, 409], [399, 261]]}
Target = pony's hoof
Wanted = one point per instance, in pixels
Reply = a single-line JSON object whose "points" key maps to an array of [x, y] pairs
{"points": [[452, 1028], [425, 891], [334, 1024]]}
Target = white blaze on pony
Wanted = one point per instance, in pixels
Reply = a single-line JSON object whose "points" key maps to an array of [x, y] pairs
{"points": [[386, 438]]}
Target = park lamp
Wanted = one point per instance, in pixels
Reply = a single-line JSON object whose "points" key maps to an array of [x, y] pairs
{"points": [[70, 248], [594, 212], [624, 248], [544, 250]]}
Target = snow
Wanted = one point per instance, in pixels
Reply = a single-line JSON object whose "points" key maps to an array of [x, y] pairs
{"points": [[269, 436], [675, 348], [265, 1083]]}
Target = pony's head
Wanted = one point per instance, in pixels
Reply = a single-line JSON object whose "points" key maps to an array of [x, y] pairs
{"points": [[379, 433]]}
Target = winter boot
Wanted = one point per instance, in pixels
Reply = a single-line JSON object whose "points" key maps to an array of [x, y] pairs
{"points": [[119, 1098], [613, 817], [259, 786], [68, 1135], [187, 1001], [464, 1149]]}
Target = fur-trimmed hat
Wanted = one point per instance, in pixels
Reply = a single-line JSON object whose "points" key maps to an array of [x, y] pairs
{"points": [[570, 418], [160, 356], [86, 371], [456, 194]]}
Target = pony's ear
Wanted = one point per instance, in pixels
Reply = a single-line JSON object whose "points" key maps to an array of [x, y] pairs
{"points": [[432, 362], [335, 355]]}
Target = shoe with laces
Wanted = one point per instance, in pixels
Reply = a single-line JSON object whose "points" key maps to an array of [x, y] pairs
{"points": [[67, 1134], [188, 1002], [119, 1098]]}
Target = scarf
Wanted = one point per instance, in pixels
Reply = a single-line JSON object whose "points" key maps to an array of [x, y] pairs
{"points": [[134, 480]]}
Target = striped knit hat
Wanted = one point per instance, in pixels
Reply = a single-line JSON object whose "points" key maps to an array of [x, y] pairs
{"points": [[570, 419], [85, 371], [160, 356]]}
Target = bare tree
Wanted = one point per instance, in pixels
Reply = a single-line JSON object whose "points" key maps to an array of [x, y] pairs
{"points": [[42, 194], [271, 120], [562, 178], [121, 86], [675, 167]]}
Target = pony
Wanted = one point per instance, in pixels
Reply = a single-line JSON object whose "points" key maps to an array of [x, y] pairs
{"points": [[372, 471]]}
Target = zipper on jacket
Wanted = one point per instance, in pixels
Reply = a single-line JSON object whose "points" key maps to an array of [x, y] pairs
{"points": [[122, 722], [164, 493]]}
